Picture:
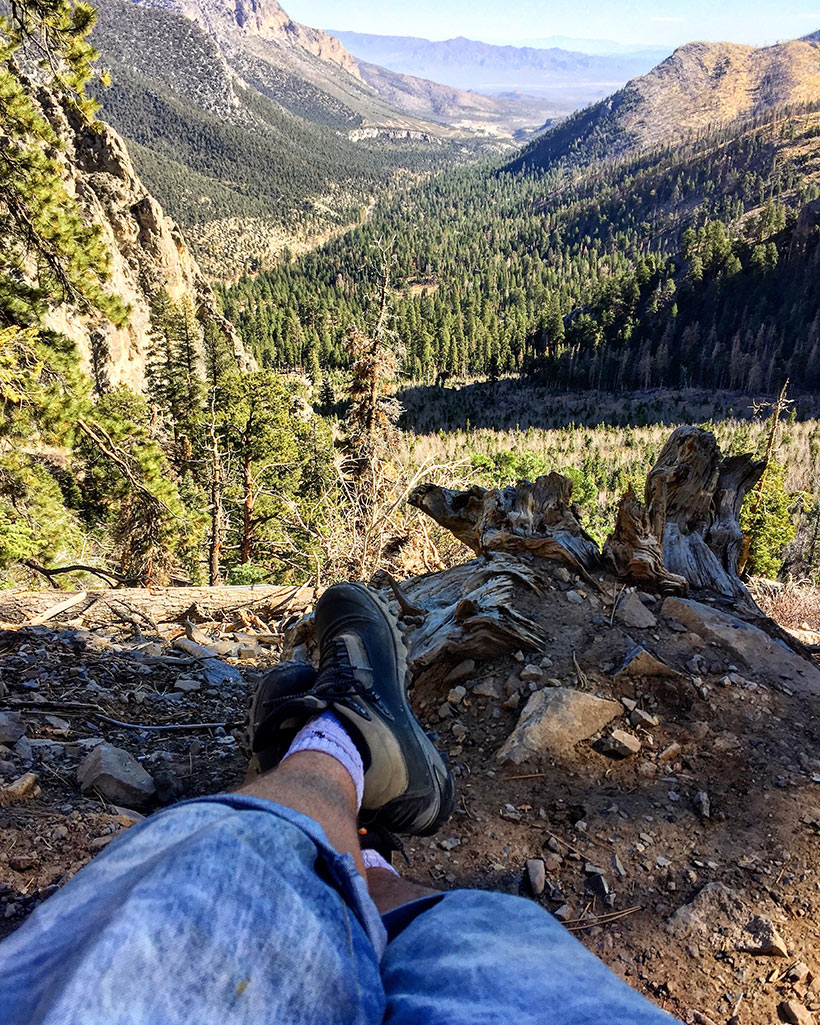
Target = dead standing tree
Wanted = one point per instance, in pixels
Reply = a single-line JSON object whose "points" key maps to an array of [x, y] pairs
{"points": [[371, 425]]}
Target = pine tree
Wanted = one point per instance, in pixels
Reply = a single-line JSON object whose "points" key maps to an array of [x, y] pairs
{"points": [[267, 447], [51, 255]]}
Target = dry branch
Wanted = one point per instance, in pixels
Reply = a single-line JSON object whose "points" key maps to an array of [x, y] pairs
{"points": [[58, 609], [538, 518]]}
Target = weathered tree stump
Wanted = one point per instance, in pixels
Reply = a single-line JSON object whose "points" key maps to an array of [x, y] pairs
{"points": [[539, 518], [693, 498], [684, 536], [636, 553]]}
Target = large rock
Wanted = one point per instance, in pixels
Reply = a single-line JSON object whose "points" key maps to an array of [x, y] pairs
{"points": [[746, 643], [632, 612], [642, 665], [117, 775], [12, 727], [554, 721], [760, 937], [715, 910]]}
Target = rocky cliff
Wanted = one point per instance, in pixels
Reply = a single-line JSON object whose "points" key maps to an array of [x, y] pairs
{"points": [[265, 19], [147, 251]]}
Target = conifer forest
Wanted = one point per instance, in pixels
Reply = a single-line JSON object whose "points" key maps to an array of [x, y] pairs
{"points": [[481, 314]]}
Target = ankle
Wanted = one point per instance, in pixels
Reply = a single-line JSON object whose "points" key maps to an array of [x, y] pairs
{"points": [[325, 735], [307, 776], [388, 890]]}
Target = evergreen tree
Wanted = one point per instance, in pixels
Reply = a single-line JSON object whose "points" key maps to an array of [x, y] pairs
{"points": [[51, 255], [268, 443], [767, 522]]}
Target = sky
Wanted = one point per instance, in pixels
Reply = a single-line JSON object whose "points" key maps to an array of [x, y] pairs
{"points": [[758, 22]]}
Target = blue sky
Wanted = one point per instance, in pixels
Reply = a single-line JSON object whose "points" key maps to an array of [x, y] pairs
{"points": [[635, 21]]}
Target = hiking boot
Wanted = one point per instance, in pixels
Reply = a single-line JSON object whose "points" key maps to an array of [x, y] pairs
{"points": [[377, 838], [268, 743], [362, 680]]}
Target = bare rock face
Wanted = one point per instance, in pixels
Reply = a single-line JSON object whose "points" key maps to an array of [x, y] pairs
{"points": [[746, 643], [117, 775], [147, 250], [554, 721], [264, 19]]}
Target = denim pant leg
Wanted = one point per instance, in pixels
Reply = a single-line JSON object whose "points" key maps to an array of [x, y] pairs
{"points": [[487, 958], [219, 911]]}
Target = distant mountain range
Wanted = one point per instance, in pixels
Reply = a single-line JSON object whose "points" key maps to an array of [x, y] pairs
{"points": [[601, 47], [257, 133], [701, 86], [568, 79]]}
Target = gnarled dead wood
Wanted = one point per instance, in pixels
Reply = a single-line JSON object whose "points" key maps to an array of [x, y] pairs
{"points": [[469, 611], [636, 553], [693, 498], [480, 625], [686, 534], [538, 518]]}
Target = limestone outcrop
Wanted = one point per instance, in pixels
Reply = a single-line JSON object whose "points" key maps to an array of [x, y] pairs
{"points": [[147, 251]]}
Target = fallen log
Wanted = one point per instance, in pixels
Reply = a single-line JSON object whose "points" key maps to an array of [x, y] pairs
{"points": [[480, 625], [684, 536], [162, 604], [539, 518]]}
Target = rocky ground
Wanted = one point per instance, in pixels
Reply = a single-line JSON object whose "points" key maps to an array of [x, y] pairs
{"points": [[658, 790]]}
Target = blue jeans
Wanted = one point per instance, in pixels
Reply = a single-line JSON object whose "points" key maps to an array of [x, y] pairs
{"points": [[231, 910]]}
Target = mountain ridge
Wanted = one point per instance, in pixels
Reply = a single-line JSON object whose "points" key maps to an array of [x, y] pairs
{"points": [[465, 63], [210, 102], [697, 87], [261, 31]]}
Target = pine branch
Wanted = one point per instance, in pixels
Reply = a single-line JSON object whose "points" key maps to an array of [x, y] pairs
{"points": [[120, 460]]}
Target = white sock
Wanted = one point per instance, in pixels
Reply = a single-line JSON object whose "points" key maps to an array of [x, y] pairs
{"points": [[372, 859], [326, 734]]}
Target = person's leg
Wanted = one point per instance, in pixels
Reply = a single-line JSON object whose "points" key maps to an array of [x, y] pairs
{"points": [[233, 908], [389, 891], [321, 788], [251, 907], [477, 958]]}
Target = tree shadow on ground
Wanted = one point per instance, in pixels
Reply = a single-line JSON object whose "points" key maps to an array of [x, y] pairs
{"points": [[517, 403]]}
